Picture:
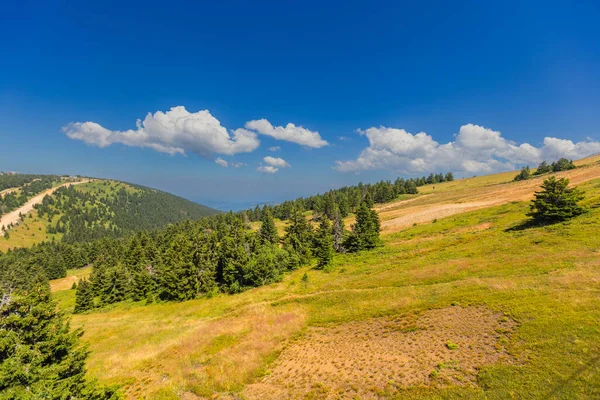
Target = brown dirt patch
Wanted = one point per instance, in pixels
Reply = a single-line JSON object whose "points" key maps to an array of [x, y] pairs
{"points": [[376, 358]]}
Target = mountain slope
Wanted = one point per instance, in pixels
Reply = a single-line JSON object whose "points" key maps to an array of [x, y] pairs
{"points": [[96, 209], [388, 323]]}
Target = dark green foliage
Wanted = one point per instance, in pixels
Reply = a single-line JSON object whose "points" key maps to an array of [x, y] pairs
{"points": [[523, 175], [84, 297], [324, 244], [86, 216], [268, 231], [298, 237], [449, 177], [562, 164], [365, 232], [40, 356], [556, 202], [543, 168]]}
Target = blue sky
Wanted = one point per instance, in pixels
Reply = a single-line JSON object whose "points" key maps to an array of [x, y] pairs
{"points": [[487, 82]]}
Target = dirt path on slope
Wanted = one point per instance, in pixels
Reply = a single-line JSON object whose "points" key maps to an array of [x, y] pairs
{"points": [[13, 216], [399, 215]]}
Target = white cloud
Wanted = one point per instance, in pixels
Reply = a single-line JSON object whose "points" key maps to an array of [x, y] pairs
{"points": [[222, 162], [267, 169], [237, 164], [274, 148], [290, 133], [476, 149], [276, 162], [175, 131]]}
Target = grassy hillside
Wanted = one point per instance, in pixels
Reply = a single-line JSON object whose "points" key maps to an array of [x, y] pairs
{"points": [[99, 208], [462, 301]]}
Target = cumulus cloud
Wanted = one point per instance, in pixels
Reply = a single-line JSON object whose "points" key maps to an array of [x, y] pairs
{"points": [[274, 148], [267, 169], [289, 133], [174, 132], [276, 162], [476, 149], [222, 162]]}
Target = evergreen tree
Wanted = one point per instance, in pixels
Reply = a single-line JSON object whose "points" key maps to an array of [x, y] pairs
{"points": [[562, 165], [449, 177], [40, 356], [298, 237], [543, 168], [324, 244], [556, 202], [523, 175], [84, 297], [268, 230], [365, 232]]}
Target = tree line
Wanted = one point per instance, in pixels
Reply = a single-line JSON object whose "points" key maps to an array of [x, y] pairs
{"points": [[562, 164], [348, 198], [217, 254]]}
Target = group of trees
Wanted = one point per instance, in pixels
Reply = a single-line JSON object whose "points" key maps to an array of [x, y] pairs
{"points": [[562, 164], [348, 198], [218, 253]]}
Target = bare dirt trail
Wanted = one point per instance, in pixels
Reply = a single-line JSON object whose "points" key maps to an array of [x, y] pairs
{"points": [[13, 216], [399, 215]]}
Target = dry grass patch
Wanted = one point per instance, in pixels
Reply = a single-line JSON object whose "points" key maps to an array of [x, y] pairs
{"points": [[215, 356], [381, 356]]}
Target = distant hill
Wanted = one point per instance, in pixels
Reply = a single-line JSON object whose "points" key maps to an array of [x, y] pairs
{"points": [[91, 210]]}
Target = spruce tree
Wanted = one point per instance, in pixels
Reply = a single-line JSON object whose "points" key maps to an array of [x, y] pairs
{"points": [[556, 202], [84, 297], [523, 175], [365, 232], [40, 356], [543, 168], [324, 244], [268, 230], [298, 237]]}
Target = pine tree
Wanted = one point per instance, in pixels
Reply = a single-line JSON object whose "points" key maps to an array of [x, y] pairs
{"points": [[543, 168], [556, 202], [298, 237], [268, 230], [84, 297], [449, 177], [324, 244], [365, 232], [523, 175], [40, 356]]}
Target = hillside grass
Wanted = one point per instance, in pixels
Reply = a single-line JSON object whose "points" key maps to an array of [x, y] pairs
{"points": [[546, 279]]}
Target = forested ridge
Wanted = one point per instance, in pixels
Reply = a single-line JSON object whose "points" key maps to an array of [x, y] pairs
{"points": [[119, 229], [348, 198], [107, 211], [28, 186]]}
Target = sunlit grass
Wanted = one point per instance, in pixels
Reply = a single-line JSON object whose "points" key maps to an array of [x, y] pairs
{"points": [[545, 278]]}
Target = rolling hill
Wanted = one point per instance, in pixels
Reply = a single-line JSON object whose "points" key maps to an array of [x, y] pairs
{"points": [[465, 299], [81, 209]]}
